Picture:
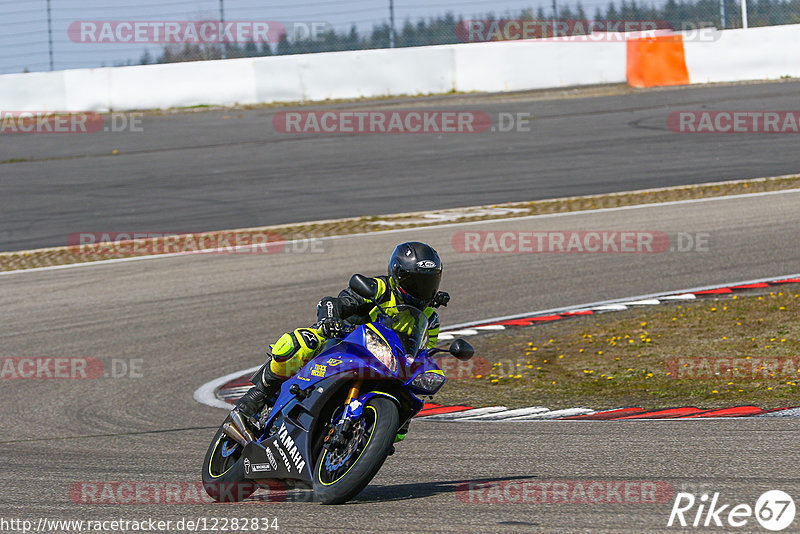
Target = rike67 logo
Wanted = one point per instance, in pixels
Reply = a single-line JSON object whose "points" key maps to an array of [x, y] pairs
{"points": [[774, 510]]}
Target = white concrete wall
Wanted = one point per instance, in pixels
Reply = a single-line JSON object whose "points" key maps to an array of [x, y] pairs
{"points": [[373, 73], [37, 91], [758, 53], [510, 66], [766, 53], [525, 65]]}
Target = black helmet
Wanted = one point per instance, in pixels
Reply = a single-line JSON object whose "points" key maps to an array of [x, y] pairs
{"points": [[415, 271]]}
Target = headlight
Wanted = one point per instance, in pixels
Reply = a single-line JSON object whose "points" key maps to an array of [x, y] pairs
{"points": [[429, 381], [381, 350]]}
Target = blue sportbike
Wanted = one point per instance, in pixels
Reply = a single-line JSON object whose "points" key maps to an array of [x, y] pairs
{"points": [[336, 421]]}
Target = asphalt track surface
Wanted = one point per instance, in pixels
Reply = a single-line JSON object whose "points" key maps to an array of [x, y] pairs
{"points": [[213, 170], [194, 318]]}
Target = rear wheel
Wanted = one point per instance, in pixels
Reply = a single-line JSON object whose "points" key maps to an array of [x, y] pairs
{"points": [[339, 475], [223, 470]]}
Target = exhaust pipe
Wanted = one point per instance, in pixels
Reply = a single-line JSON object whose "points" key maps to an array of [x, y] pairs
{"points": [[230, 431], [241, 426]]}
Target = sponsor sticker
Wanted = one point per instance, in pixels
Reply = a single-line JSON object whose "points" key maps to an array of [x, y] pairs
{"points": [[291, 448], [260, 468], [271, 458]]}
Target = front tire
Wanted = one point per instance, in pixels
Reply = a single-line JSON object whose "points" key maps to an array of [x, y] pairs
{"points": [[337, 479], [223, 476]]}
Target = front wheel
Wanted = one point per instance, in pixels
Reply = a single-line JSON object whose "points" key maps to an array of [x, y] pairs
{"points": [[223, 470], [341, 474]]}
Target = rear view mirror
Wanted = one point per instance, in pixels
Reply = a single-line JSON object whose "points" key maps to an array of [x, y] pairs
{"points": [[461, 350], [364, 287]]}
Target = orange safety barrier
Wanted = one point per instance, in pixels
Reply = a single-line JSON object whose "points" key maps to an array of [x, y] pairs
{"points": [[655, 61]]}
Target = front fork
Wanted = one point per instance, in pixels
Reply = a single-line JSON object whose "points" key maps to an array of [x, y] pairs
{"points": [[353, 395], [342, 431]]}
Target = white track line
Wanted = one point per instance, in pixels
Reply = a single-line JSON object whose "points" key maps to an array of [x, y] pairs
{"points": [[610, 307], [206, 394], [465, 332], [465, 413], [645, 302], [555, 414], [685, 296], [415, 229], [790, 412], [606, 305], [506, 414], [92, 263]]}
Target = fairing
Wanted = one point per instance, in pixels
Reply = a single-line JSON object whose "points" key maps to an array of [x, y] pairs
{"points": [[285, 450]]}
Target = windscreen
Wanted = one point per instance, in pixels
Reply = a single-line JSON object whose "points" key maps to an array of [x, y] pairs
{"points": [[411, 326]]}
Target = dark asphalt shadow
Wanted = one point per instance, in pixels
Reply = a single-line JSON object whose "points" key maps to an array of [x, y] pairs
{"points": [[404, 492], [375, 493]]}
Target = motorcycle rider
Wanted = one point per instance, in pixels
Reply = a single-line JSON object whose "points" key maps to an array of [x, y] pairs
{"points": [[415, 271]]}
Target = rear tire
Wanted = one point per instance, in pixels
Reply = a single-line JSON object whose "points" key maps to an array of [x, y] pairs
{"points": [[381, 418], [223, 477]]}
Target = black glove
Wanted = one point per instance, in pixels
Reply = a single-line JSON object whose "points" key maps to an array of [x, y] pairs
{"points": [[332, 328], [441, 299]]}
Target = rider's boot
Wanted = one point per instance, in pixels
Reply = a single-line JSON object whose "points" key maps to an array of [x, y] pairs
{"points": [[401, 432], [266, 389], [288, 355]]}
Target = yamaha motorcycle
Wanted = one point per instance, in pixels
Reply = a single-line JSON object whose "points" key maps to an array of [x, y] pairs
{"points": [[335, 422]]}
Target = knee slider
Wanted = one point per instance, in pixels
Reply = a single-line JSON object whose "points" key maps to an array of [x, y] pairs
{"points": [[302, 340]]}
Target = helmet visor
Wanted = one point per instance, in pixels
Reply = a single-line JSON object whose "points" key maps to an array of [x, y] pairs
{"points": [[421, 286]]}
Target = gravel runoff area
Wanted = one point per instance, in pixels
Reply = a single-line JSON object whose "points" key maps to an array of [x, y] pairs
{"points": [[91, 247]]}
